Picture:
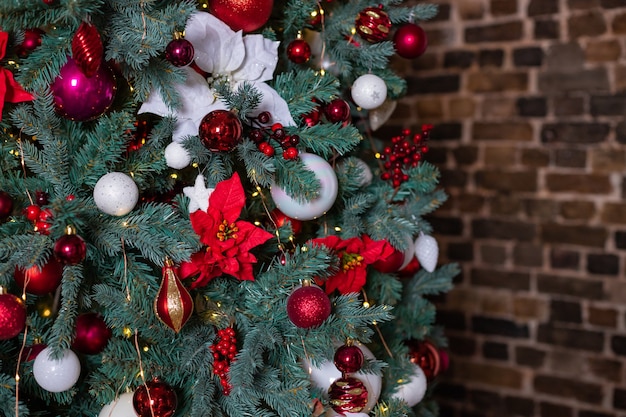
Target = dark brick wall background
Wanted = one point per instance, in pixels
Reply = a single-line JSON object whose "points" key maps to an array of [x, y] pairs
{"points": [[529, 102]]}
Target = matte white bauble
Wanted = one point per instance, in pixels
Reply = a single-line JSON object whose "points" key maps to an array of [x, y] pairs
{"points": [[121, 407], [427, 252], [56, 375], [326, 373], [116, 194], [369, 91], [413, 391], [308, 210], [176, 156]]}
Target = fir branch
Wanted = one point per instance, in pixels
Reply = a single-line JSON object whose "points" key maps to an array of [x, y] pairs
{"points": [[259, 167], [394, 229], [159, 76], [429, 283], [298, 88], [63, 328], [388, 287], [243, 100], [327, 139], [296, 180], [410, 14]]}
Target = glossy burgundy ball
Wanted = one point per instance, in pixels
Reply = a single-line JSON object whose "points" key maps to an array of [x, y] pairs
{"points": [[410, 41], [220, 131], [32, 39], [40, 281], [162, 400], [92, 334], [349, 358], [299, 51], [308, 307], [337, 111], [70, 249], [179, 52], [6, 205]]}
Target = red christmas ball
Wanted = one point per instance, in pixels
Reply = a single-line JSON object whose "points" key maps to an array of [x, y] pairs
{"points": [[70, 249], [87, 49], [246, 15], [40, 281], [179, 52], [349, 358], [373, 24], [12, 316], [31, 352], [32, 212], [410, 41], [6, 205], [308, 307], [425, 355], [337, 111], [391, 264], [32, 39], [299, 51], [92, 334], [281, 218], [411, 269], [220, 131], [347, 395], [161, 401]]}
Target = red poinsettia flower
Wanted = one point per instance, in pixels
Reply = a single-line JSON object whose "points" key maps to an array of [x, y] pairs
{"points": [[10, 90], [227, 239], [355, 254]]}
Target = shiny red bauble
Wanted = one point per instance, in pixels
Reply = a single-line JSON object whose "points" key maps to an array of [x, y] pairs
{"points": [[179, 52], [6, 205], [157, 400], [410, 41], [246, 15], [347, 395], [298, 51], [425, 355], [31, 352], [390, 264], [12, 316], [308, 306], [280, 219], [220, 131], [32, 40], [87, 49], [373, 24], [337, 111], [348, 358], [40, 281], [70, 249], [92, 334]]}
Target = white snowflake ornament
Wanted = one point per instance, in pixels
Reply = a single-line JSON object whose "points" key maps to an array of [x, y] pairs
{"points": [[198, 195], [427, 251]]}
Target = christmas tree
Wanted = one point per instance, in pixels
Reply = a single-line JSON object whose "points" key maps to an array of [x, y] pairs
{"points": [[199, 219]]}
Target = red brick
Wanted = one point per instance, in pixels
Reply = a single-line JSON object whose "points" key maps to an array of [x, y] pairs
{"points": [[614, 213], [577, 210], [521, 132], [579, 183], [574, 235], [619, 24], [500, 155], [606, 317], [521, 181], [588, 24], [535, 157], [603, 51], [608, 160], [568, 388], [605, 369], [499, 32], [495, 375], [487, 82]]}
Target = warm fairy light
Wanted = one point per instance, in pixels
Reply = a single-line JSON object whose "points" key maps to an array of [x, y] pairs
{"points": [[46, 312], [374, 322], [366, 304], [174, 176], [255, 194], [353, 31], [322, 72], [377, 155], [127, 332], [337, 229], [291, 238], [17, 377], [304, 249], [132, 174], [257, 223], [125, 224], [195, 165], [146, 348], [400, 381]]}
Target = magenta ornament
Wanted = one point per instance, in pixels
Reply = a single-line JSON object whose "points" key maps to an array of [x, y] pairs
{"points": [[81, 98], [179, 52]]}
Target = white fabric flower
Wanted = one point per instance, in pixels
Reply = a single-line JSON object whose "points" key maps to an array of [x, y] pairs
{"points": [[224, 54]]}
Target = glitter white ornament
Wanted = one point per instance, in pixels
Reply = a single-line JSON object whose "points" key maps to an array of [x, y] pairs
{"points": [[369, 91], [427, 252], [120, 407], [198, 195], [176, 156], [317, 207], [414, 390], [56, 375], [116, 194]]}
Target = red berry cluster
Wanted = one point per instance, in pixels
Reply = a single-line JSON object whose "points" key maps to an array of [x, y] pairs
{"points": [[406, 151], [262, 135], [38, 215], [224, 350]]}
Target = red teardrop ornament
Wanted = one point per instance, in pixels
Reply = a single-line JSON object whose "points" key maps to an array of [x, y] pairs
{"points": [[173, 304]]}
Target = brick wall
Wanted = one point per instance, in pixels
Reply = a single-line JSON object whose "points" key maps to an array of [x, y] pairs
{"points": [[529, 102]]}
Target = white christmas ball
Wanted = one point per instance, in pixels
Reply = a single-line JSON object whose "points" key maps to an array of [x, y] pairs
{"points": [[427, 252], [369, 91], [317, 207], [326, 373], [116, 194], [413, 391], [121, 407], [56, 375], [176, 156]]}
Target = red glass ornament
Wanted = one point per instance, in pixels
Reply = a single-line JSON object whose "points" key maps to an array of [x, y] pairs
{"points": [[179, 52], [41, 198], [40, 281], [373, 24], [70, 249], [49, 2], [6, 205], [298, 51], [410, 41], [337, 111], [87, 49], [31, 352], [290, 153], [411, 269], [246, 15], [308, 306], [32, 212], [173, 304], [32, 39], [220, 131], [349, 358], [425, 355], [281, 218], [312, 118], [12, 316], [155, 399], [391, 264], [92, 334], [347, 395]]}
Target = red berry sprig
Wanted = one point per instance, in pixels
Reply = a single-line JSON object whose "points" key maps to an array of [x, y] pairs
{"points": [[262, 135], [224, 351], [40, 217], [405, 152]]}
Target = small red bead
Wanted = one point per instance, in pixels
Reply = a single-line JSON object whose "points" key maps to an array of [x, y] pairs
{"points": [[290, 153], [32, 212]]}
